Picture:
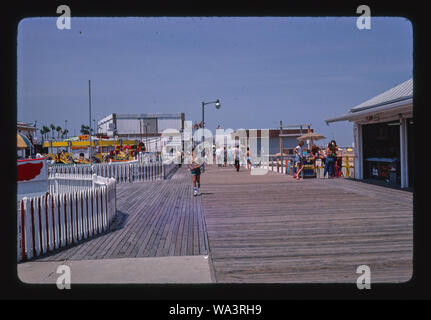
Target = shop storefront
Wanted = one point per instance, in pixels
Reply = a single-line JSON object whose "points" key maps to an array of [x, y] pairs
{"points": [[383, 136]]}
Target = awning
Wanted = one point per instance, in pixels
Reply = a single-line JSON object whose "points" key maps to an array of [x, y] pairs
{"points": [[391, 108], [22, 141]]}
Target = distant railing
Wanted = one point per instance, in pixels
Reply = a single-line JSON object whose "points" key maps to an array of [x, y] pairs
{"points": [[287, 165], [121, 172], [70, 212]]}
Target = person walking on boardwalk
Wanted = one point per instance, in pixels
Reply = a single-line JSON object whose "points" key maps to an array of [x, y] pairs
{"points": [[331, 154], [219, 156], [298, 160], [195, 171], [229, 156], [236, 155], [225, 157], [248, 158]]}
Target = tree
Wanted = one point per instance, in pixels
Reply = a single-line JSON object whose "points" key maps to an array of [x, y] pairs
{"points": [[85, 129], [44, 131], [64, 133], [52, 130], [58, 129]]}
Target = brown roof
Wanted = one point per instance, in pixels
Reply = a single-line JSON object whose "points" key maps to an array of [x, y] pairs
{"points": [[274, 133]]}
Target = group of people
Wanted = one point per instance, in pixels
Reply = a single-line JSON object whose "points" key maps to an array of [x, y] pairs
{"points": [[222, 157], [329, 156], [228, 156]]}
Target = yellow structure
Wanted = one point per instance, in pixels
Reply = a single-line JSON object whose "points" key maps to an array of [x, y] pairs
{"points": [[86, 143]]}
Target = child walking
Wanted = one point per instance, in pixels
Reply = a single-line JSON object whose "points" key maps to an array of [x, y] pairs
{"points": [[195, 171]]}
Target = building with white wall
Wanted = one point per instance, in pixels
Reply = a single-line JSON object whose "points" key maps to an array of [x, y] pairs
{"points": [[136, 126], [383, 129]]}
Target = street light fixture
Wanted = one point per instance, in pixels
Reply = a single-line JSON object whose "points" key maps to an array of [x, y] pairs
{"points": [[217, 105]]}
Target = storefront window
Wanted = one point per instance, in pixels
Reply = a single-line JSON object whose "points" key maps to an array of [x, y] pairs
{"points": [[381, 149]]}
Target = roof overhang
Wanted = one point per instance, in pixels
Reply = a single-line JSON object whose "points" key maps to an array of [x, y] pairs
{"points": [[377, 113]]}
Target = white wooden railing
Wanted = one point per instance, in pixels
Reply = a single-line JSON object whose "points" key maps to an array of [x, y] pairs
{"points": [[56, 220], [121, 172]]}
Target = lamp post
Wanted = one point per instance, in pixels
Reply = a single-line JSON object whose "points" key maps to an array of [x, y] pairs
{"points": [[89, 118], [217, 105]]}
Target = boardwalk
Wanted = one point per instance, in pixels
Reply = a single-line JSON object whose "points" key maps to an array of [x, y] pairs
{"points": [[275, 229], [265, 229], [154, 219]]}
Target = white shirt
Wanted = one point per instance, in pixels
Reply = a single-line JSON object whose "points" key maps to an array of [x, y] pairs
{"points": [[298, 151]]}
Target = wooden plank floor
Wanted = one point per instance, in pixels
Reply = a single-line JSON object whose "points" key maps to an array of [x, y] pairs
{"points": [[273, 229], [158, 218]]}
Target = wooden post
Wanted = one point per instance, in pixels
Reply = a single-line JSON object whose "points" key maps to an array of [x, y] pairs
{"points": [[281, 146]]}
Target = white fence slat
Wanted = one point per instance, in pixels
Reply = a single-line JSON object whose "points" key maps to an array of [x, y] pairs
{"points": [[105, 208], [56, 221], [79, 213], [74, 218], [36, 221], [28, 229], [93, 212], [50, 232], [62, 220], [101, 218], [84, 214], [89, 213], [43, 223], [68, 218]]}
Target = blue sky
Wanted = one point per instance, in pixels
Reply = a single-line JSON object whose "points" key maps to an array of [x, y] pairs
{"points": [[263, 69]]}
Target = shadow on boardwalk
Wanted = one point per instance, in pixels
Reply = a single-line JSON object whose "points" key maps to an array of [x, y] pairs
{"points": [[158, 218]]}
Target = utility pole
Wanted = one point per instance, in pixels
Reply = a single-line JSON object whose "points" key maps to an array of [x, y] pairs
{"points": [[281, 145], [89, 118]]}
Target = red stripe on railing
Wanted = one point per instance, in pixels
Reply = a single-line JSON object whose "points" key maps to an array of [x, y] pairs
{"points": [[23, 254]]}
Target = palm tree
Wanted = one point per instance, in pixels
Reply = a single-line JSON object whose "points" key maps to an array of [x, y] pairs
{"points": [[85, 129], [43, 132], [52, 130], [58, 129], [64, 133]]}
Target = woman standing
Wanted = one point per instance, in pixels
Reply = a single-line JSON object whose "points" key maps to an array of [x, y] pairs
{"points": [[331, 154], [248, 158], [230, 156], [298, 160]]}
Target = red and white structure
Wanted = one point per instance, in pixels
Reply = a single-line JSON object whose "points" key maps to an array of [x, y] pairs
{"points": [[32, 177]]}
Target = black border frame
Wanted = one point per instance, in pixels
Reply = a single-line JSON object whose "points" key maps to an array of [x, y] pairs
{"points": [[12, 288]]}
